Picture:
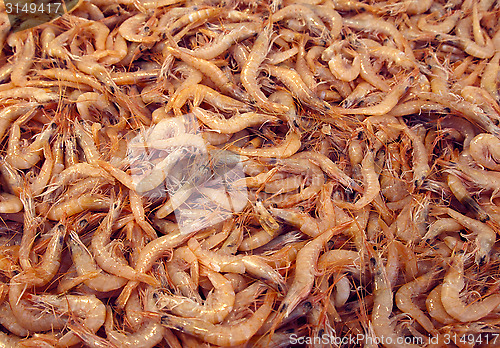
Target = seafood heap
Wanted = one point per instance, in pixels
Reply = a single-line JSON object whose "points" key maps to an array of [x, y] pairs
{"points": [[242, 173]]}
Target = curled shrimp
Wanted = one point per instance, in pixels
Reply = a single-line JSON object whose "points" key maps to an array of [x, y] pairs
{"points": [[149, 254], [217, 306], [485, 235], [104, 257], [484, 149], [38, 275], [138, 28], [405, 303], [223, 335], [26, 158], [453, 284], [85, 264]]}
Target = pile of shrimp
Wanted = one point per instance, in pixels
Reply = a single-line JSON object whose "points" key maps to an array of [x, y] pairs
{"points": [[321, 173]]}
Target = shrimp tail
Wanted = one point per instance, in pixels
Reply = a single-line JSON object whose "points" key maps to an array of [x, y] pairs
{"points": [[148, 279]]}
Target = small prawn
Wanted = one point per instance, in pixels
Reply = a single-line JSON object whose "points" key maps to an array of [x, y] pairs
{"points": [[223, 335], [370, 181], [216, 307], [250, 70], [103, 256], [453, 283]]}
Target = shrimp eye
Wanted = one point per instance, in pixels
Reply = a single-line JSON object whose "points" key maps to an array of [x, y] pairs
{"points": [[373, 261]]}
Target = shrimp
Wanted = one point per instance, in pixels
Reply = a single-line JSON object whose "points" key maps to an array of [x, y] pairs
{"points": [[149, 254], [182, 281], [303, 12], [292, 80], [387, 104], [485, 235], [489, 77], [210, 70], [102, 254], [484, 149], [38, 275], [87, 309], [86, 143], [11, 113], [204, 93], [149, 333], [77, 205], [369, 22], [460, 192], [371, 184], [443, 27], [139, 28], [223, 335], [216, 307], [435, 306], [453, 283], [26, 158], [289, 146], [85, 264], [266, 220], [24, 61], [463, 168], [344, 70], [293, 216], [339, 259], [305, 265], [367, 71], [250, 72], [414, 288], [382, 306], [196, 17], [223, 42], [441, 225], [234, 124], [138, 210], [251, 264], [421, 156], [78, 170]]}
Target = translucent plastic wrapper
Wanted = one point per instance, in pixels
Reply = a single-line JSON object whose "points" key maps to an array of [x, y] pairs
{"points": [[203, 185]]}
